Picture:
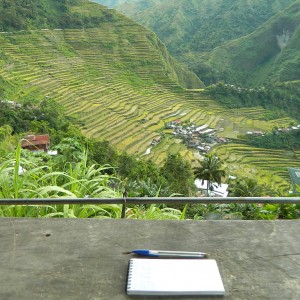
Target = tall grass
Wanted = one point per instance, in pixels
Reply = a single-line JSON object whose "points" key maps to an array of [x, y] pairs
{"points": [[154, 212], [29, 177], [22, 177]]}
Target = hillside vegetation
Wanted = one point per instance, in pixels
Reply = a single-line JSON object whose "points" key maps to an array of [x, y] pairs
{"points": [[119, 81], [240, 42], [201, 25], [270, 54], [31, 14]]}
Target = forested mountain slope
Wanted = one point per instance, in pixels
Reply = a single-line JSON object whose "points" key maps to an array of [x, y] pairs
{"points": [[270, 54], [200, 25], [191, 29]]}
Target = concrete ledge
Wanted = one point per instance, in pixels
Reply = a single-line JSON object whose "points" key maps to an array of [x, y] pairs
{"points": [[82, 258]]}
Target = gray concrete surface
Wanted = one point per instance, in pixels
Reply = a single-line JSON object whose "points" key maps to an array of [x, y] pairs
{"points": [[82, 258]]}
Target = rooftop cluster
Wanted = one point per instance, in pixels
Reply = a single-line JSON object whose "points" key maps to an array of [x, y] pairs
{"points": [[201, 138]]}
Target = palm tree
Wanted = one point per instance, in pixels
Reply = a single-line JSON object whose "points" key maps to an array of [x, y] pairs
{"points": [[247, 187], [210, 169]]}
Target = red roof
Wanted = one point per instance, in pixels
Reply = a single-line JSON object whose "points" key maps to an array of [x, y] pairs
{"points": [[35, 140]]}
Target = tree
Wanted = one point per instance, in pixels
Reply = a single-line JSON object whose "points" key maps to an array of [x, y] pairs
{"points": [[247, 187], [103, 153], [210, 169], [70, 151], [179, 175]]}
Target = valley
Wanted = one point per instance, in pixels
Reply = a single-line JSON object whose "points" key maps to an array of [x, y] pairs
{"points": [[122, 85], [117, 99]]}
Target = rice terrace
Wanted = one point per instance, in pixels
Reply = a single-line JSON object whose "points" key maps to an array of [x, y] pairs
{"points": [[133, 125], [123, 86]]}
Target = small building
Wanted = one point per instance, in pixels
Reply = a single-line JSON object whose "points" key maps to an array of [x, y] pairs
{"points": [[258, 133], [36, 142], [295, 178], [208, 131], [202, 127], [156, 141]]}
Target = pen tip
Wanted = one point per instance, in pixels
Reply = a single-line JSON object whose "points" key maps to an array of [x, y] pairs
{"points": [[127, 252]]}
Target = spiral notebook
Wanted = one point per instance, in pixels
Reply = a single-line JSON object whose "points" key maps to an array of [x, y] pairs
{"points": [[174, 277]]}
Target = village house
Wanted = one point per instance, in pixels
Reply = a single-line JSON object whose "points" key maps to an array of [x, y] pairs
{"points": [[36, 142], [156, 141]]}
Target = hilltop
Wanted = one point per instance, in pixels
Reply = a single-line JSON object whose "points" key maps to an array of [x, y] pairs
{"points": [[117, 78]]}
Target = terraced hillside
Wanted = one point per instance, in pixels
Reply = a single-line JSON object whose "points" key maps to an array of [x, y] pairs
{"points": [[117, 79], [268, 166]]}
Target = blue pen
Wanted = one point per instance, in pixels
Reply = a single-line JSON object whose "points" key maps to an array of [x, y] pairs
{"points": [[163, 253]]}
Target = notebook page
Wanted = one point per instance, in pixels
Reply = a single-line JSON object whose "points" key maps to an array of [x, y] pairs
{"points": [[175, 276]]}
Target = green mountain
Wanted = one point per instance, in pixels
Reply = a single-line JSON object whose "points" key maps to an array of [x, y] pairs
{"points": [[118, 79], [270, 54], [200, 25], [192, 29]]}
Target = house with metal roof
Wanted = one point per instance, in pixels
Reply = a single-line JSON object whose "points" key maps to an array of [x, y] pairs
{"points": [[36, 142]]}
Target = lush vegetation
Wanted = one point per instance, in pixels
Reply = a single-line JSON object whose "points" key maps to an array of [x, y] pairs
{"points": [[88, 168], [267, 55], [40, 117], [277, 140], [117, 82], [73, 174], [249, 43], [199, 25], [79, 180], [33, 14], [280, 99]]}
